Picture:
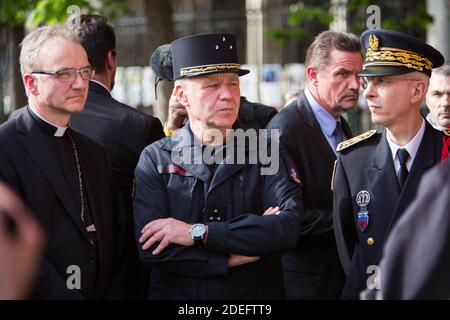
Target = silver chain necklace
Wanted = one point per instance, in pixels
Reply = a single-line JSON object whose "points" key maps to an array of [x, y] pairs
{"points": [[80, 179]]}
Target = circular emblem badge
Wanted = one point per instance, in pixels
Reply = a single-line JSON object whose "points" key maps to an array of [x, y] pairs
{"points": [[363, 198]]}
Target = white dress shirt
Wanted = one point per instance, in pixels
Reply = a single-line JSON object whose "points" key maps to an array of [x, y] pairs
{"points": [[326, 121], [411, 147]]}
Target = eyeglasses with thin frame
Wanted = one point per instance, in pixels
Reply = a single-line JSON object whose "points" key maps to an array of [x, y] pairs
{"points": [[69, 75], [380, 82]]}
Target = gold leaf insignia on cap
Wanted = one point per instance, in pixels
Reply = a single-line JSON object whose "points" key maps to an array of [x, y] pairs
{"points": [[210, 68], [397, 57], [373, 42]]}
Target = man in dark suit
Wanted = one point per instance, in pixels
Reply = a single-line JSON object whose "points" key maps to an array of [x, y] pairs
{"points": [[309, 129], [122, 130], [416, 257], [377, 174], [63, 176]]}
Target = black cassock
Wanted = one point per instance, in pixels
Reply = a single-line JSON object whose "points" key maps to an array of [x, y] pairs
{"points": [[42, 169]]}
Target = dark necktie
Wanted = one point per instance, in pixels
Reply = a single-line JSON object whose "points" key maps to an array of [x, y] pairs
{"points": [[402, 173], [338, 133]]}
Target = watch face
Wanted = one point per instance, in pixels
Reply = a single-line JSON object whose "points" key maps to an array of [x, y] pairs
{"points": [[198, 230]]}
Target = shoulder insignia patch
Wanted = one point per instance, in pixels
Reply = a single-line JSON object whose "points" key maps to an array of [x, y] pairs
{"points": [[446, 131], [293, 173], [173, 169], [348, 143]]}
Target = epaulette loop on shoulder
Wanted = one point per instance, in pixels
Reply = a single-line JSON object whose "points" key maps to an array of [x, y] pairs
{"points": [[348, 143]]}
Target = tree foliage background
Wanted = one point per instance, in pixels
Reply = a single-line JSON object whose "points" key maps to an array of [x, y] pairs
{"points": [[16, 15], [32, 13], [406, 16]]}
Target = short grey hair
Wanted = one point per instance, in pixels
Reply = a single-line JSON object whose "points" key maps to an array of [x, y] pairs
{"points": [[443, 70], [424, 77], [32, 43]]}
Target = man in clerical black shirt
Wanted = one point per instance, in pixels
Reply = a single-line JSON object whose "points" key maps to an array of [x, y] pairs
{"points": [[63, 176]]}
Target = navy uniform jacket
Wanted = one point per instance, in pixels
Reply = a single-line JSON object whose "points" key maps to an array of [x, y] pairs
{"points": [[27, 164], [312, 269], [231, 202], [368, 166], [416, 260]]}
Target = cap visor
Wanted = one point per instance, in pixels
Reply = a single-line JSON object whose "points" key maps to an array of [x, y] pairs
{"points": [[383, 71]]}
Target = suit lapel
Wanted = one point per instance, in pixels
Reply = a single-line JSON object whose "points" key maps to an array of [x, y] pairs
{"points": [[346, 128], [33, 141], [382, 182], [427, 155], [316, 133]]}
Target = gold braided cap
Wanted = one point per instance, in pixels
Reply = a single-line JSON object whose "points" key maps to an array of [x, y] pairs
{"points": [[209, 68], [348, 143], [386, 56]]}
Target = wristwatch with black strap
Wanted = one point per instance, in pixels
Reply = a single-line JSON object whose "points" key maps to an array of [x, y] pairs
{"points": [[197, 232]]}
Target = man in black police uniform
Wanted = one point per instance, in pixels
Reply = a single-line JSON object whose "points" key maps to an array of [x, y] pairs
{"points": [[251, 114], [310, 129], [201, 226], [121, 129], [63, 176], [377, 174]]}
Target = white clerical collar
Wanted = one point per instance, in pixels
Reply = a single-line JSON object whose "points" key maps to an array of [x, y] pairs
{"points": [[59, 130], [99, 83]]}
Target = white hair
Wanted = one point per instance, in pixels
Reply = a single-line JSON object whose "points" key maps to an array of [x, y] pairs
{"points": [[32, 43]]}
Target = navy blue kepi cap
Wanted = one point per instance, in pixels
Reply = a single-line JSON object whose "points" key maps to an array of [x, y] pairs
{"points": [[391, 52], [206, 53]]}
